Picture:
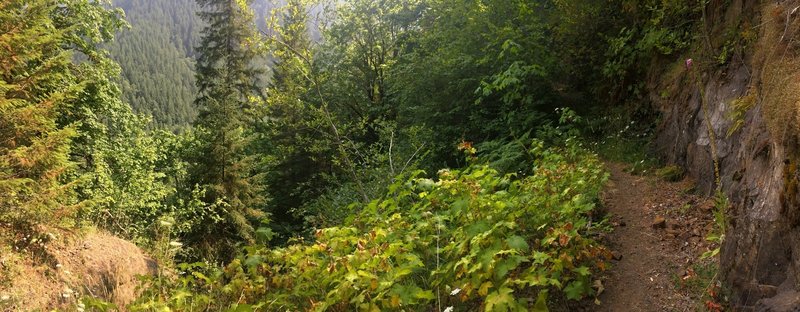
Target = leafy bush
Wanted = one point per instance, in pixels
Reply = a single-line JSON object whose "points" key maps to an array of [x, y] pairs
{"points": [[473, 238], [658, 28]]}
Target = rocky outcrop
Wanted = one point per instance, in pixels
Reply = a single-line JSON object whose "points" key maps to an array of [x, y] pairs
{"points": [[760, 257]]}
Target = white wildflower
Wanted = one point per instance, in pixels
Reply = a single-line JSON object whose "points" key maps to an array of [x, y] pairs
{"points": [[455, 291], [449, 309]]}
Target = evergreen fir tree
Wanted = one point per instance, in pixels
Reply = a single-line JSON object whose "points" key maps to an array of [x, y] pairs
{"points": [[296, 172], [227, 83], [41, 82]]}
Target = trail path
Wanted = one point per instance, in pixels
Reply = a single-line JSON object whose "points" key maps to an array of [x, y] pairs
{"points": [[653, 259]]}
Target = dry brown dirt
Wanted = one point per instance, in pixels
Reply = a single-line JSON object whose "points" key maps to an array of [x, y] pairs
{"points": [[654, 265], [58, 267]]}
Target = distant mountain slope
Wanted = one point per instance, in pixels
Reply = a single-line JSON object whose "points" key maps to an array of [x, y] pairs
{"points": [[157, 57]]}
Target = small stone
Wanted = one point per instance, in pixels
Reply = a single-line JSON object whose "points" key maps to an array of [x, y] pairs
{"points": [[659, 222], [616, 255]]}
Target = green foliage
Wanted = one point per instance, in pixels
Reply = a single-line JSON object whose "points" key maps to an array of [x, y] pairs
{"points": [[740, 108], [654, 28], [123, 181], [485, 72], [670, 173], [473, 238], [156, 57], [221, 166], [115, 158], [623, 135], [43, 91], [475, 72], [296, 133], [342, 130], [717, 235], [734, 40]]}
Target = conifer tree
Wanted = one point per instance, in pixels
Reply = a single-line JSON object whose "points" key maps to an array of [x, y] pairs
{"points": [[33, 149], [227, 82], [292, 131], [41, 84]]}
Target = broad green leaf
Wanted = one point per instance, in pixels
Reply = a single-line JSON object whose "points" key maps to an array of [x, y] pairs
{"points": [[517, 242], [499, 300], [541, 302]]}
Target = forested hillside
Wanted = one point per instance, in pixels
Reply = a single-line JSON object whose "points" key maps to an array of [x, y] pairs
{"points": [[156, 54], [417, 155], [157, 59]]}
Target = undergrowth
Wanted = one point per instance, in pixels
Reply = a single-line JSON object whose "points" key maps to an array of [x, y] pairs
{"points": [[701, 283], [625, 137], [472, 239]]}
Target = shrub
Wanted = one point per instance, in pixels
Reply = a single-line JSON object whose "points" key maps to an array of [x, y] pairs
{"points": [[473, 238]]}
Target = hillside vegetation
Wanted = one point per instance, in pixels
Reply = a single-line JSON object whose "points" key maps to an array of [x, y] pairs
{"points": [[330, 156]]}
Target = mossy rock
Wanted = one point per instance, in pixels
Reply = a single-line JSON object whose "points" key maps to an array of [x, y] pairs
{"points": [[670, 173]]}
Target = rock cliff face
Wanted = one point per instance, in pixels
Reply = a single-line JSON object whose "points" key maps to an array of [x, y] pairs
{"points": [[760, 257]]}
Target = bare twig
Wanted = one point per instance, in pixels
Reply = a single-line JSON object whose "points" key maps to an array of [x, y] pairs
{"points": [[411, 158], [391, 143]]}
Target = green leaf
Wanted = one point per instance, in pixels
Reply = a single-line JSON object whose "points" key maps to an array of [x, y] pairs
{"points": [[540, 257], [253, 261], [575, 290], [541, 302], [499, 300], [477, 228], [509, 264], [517, 242], [583, 271], [264, 234]]}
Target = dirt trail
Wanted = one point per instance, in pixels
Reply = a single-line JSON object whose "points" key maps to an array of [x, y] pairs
{"points": [[653, 260]]}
